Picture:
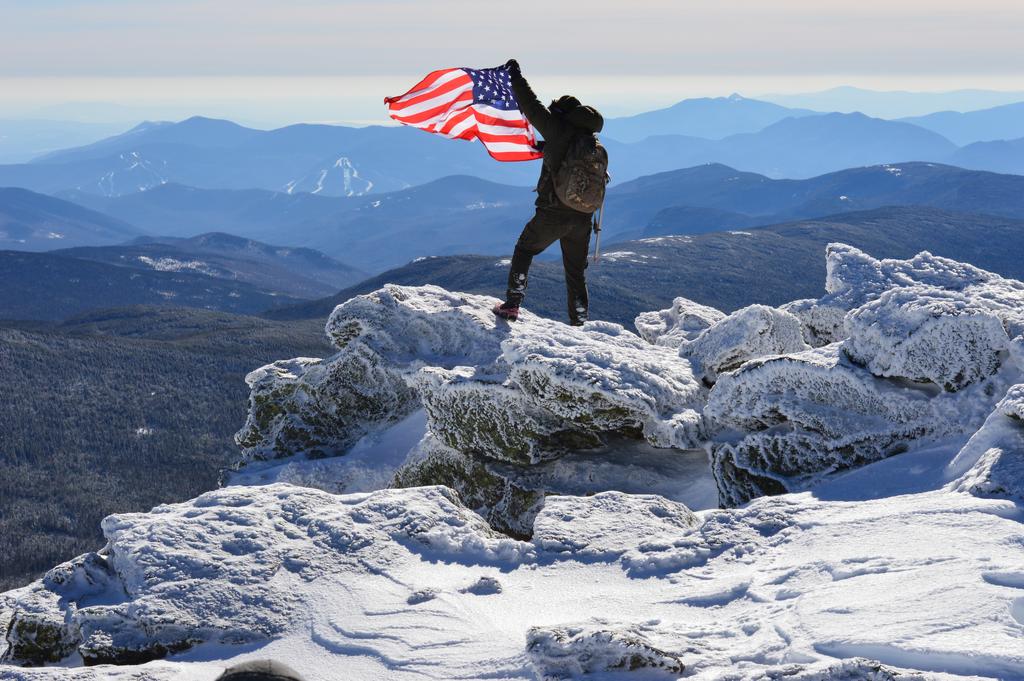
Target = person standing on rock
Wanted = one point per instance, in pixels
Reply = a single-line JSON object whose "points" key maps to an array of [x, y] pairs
{"points": [[570, 190]]}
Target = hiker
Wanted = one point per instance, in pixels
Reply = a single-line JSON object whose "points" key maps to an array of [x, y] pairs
{"points": [[570, 189]]}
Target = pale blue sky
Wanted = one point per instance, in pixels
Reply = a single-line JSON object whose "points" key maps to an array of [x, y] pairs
{"points": [[316, 60]]}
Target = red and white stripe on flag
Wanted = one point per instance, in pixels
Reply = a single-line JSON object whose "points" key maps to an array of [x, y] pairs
{"points": [[443, 103]]}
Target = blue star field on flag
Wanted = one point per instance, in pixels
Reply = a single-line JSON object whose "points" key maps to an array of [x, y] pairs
{"points": [[493, 87]]}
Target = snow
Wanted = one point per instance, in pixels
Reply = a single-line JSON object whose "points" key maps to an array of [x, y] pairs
{"points": [[684, 321], [659, 239], [368, 465], [608, 524], [452, 496], [619, 255], [749, 333], [167, 264], [339, 176], [992, 462], [927, 334], [854, 278], [388, 585], [784, 422]]}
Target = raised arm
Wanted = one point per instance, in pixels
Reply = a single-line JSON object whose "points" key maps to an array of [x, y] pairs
{"points": [[535, 112]]}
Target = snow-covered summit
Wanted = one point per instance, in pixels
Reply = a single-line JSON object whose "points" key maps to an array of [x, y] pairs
{"points": [[452, 496]]}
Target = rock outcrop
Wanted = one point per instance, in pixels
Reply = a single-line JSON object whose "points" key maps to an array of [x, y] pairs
{"points": [[992, 462], [571, 652], [320, 407], [218, 568], [755, 331], [411, 582], [682, 322], [809, 414], [494, 393], [538, 493], [927, 335], [896, 352], [853, 278], [925, 351]]}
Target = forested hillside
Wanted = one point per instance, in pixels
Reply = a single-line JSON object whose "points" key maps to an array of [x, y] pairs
{"points": [[120, 411]]}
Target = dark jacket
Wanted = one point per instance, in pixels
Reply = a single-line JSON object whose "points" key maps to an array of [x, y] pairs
{"points": [[558, 129]]}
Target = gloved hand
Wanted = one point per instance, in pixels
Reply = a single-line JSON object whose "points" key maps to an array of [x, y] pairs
{"points": [[512, 66]]}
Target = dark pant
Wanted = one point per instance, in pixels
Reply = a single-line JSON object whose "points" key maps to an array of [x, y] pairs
{"points": [[547, 227]]}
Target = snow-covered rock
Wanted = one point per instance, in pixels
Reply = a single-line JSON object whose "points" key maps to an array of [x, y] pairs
{"points": [[509, 496], [992, 462], [572, 651], [605, 379], [519, 393], [482, 416], [221, 568], [505, 503], [1017, 351], [854, 278], [320, 407], [754, 331], [580, 444], [421, 326], [609, 524], [409, 584], [927, 334], [916, 334], [822, 324], [783, 422], [684, 321]]}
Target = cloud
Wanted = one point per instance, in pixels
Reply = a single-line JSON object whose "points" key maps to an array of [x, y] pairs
{"points": [[650, 37]]}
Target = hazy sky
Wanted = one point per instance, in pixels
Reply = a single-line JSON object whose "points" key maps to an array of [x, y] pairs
{"points": [[319, 60]]}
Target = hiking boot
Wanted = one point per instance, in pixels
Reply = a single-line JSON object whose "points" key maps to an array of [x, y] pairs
{"points": [[508, 311]]}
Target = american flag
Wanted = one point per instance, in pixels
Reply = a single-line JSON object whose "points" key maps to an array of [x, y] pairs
{"points": [[469, 104]]}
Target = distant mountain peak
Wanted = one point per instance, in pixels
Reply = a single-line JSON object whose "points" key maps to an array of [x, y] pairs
{"points": [[207, 119], [146, 126]]}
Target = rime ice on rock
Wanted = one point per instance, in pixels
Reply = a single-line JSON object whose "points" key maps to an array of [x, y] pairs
{"points": [[754, 331], [320, 407], [570, 652], [503, 501], [927, 353], [992, 462], [603, 378], [518, 394], [822, 324], [684, 321], [799, 417], [420, 326], [608, 524], [854, 278], [927, 334], [219, 568]]}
